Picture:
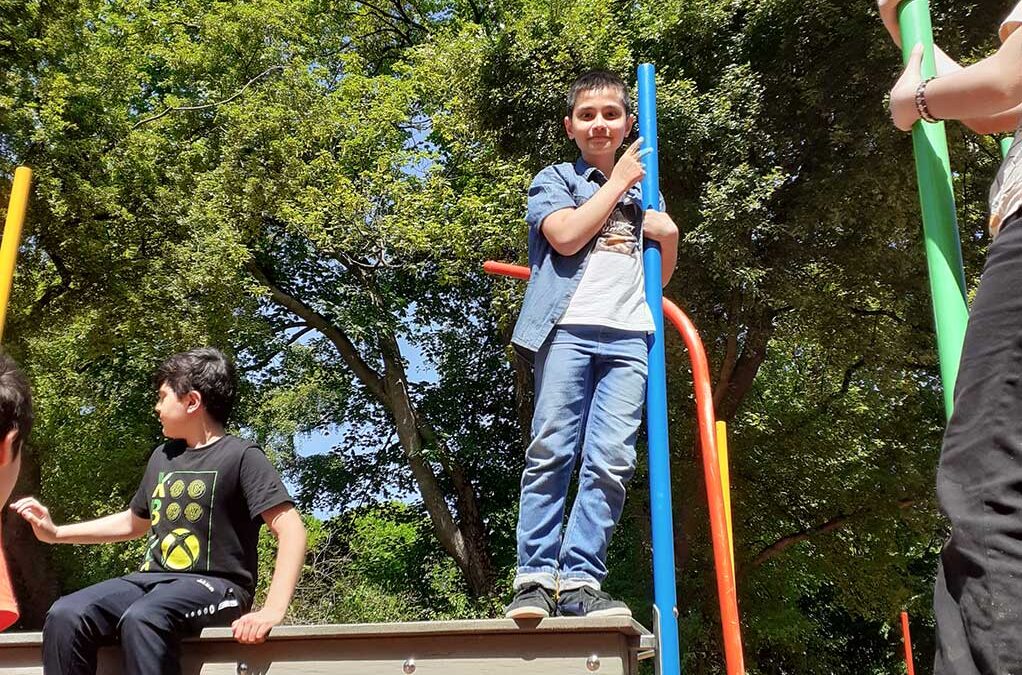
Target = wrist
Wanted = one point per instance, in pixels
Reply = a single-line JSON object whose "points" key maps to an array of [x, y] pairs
{"points": [[920, 100], [617, 185]]}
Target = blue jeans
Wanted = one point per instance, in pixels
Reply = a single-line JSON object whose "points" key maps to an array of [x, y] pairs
{"points": [[590, 390]]}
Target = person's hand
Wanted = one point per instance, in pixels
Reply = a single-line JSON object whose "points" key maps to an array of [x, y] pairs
{"points": [[253, 627], [903, 95], [658, 226], [629, 169], [38, 516], [889, 15]]}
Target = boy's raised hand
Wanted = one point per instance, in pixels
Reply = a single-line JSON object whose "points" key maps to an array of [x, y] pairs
{"points": [[629, 169], [38, 516]]}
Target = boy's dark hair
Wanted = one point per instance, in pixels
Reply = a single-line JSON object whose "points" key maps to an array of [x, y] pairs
{"points": [[207, 371], [15, 402], [597, 80]]}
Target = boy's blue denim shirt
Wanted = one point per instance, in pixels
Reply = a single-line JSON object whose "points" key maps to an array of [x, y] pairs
{"points": [[554, 276]]}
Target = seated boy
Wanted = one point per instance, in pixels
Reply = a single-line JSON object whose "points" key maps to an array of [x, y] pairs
{"points": [[203, 498], [585, 318], [15, 425]]}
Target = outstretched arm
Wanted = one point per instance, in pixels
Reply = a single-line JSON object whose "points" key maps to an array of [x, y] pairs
{"points": [[286, 525], [999, 109], [117, 527]]}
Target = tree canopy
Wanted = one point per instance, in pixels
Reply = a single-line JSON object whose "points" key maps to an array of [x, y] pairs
{"points": [[313, 185]]}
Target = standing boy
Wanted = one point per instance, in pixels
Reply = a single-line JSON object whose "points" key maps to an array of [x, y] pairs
{"points": [[203, 498], [586, 322]]}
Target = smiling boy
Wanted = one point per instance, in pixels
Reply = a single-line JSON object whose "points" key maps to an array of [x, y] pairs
{"points": [[203, 498], [585, 322]]}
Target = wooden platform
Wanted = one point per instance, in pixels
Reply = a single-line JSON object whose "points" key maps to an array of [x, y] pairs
{"points": [[604, 646]]}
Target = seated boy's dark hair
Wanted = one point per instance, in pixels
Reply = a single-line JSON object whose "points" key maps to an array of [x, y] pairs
{"points": [[597, 80], [15, 402], [207, 371]]}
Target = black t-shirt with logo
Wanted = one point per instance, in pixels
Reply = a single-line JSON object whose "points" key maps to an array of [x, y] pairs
{"points": [[204, 505]]}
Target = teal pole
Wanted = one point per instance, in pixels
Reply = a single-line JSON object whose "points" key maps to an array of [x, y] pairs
{"points": [[936, 196]]}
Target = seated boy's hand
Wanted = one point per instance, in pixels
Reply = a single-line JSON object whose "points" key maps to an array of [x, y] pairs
{"points": [[38, 516], [658, 226], [253, 627]]}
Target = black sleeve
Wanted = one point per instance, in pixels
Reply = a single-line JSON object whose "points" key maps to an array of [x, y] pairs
{"points": [[140, 502], [260, 483]]}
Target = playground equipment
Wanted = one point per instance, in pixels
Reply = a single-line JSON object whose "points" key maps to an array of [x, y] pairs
{"points": [[936, 196], [664, 582], [907, 638], [12, 237], [609, 646]]}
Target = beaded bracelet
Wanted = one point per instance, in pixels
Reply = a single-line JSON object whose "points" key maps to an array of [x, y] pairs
{"points": [[924, 112]]}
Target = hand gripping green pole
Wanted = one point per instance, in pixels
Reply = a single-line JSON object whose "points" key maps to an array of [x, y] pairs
{"points": [[940, 227]]}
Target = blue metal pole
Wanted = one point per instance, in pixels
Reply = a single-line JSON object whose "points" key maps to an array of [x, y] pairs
{"points": [[665, 600]]}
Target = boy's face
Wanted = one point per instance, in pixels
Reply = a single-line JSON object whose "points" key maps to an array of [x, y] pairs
{"points": [[598, 123], [175, 411]]}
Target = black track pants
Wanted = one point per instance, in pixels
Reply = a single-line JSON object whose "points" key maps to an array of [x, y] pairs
{"points": [[148, 612]]}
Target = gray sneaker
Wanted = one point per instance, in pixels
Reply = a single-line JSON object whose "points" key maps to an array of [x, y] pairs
{"points": [[588, 601], [531, 602]]}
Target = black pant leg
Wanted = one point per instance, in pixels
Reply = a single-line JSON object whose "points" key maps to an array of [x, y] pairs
{"points": [[978, 597], [174, 606], [78, 624]]}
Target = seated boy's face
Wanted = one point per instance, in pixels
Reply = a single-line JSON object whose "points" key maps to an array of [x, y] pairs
{"points": [[598, 123], [173, 411]]}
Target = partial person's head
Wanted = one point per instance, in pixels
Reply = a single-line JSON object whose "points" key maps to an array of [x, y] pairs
{"points": [[15, 422], [599, 113], [192, 384]]}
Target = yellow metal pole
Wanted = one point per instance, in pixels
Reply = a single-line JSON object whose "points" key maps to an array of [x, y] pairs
{"points": [[725, 479], [12, 238]]}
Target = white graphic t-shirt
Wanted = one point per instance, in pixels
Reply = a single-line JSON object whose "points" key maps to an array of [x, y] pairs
{"points": [[611, 290]]}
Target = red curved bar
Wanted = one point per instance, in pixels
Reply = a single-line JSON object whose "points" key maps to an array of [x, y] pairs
{"points": [[504, 269], [727, 593]]}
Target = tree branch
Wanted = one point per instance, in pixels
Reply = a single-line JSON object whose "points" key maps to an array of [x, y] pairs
{"points": [[187, 108], [362, 370], [838, 521]]}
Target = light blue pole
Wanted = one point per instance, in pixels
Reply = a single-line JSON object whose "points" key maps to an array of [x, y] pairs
{"points": [[665, 600]]}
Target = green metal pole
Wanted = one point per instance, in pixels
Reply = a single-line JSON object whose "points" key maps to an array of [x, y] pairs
{"points": [[940, 227]]}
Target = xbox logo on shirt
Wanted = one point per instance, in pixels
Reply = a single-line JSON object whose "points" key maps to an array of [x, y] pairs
{"points": [[180, 549]]}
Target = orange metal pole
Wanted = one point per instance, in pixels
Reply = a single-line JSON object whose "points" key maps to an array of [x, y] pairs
{"points": [[727, 593], [907, 636]]}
